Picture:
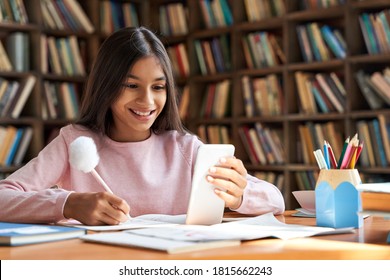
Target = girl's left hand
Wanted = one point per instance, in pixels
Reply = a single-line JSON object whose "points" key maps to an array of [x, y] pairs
{"points": [[230, 178]]}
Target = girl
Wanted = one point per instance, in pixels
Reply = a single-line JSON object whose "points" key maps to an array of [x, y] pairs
{"points": [[146, 156]]}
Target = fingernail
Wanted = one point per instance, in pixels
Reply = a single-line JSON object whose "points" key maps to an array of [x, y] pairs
{"points": [[209, 178], [213, 169]]}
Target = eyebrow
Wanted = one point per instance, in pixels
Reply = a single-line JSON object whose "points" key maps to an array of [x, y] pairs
{"points": [[135, 77]]}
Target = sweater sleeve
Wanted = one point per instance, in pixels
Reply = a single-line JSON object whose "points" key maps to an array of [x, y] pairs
{"points": [[27, 196], [261, 197]]}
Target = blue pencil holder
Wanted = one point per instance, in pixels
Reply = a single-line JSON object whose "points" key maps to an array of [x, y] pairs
{"points": [[337, 198]]}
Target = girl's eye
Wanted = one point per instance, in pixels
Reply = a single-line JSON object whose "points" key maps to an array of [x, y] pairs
{"points": [[159, 87], [130, 85]]}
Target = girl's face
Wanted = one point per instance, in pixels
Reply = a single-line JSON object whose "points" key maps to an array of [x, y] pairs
{"points": [[141, 101]]}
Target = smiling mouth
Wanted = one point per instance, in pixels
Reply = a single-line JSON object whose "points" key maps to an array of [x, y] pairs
{"points": [[141, 113]]}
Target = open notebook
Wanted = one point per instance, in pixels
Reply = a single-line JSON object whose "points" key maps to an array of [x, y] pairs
{"points": [[179, 238]]}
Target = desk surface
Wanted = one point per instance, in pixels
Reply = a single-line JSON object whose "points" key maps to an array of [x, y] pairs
{"points": [[368, 242]]}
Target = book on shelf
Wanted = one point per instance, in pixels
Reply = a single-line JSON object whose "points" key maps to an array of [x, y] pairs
{"points": [[259, 10], [66, 16], [18, 49], [79, 15], [23, 146], [373, 99], [6, 143], [16, 234], [22, 95], [332, 41], [14, 147], [381, 86], [54, 56], [184, 102], [306, 99], [374, 143], [243, 132], [304, 43], [384, 127], [248, 98], [5, 62], [257, 146], [367, 155], [172, 19], [379, 146], [8, 97], [368, 33], [266, 143], [337, 103]]}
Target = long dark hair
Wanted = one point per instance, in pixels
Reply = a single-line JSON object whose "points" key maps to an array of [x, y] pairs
{"points": [[116, 56]]}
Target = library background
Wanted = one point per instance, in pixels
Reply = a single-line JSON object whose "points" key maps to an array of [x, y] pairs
{"points": [[275, 78]]}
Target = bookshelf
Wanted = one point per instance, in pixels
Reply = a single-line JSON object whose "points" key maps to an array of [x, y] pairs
{"points": [[235, 68], [289, 121]]}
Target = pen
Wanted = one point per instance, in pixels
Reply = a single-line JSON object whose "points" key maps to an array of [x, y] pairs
{"points": [[331, 156], [352, 163], [326, 155], [348, 152], [343, 152], [359, 149], [320, 159], [105, 186]]}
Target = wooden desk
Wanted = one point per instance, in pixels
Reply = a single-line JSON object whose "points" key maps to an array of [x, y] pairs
{"points": [[368, 242]]}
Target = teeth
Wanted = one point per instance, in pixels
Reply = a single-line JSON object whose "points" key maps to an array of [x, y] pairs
{"points": [[142, 113]]}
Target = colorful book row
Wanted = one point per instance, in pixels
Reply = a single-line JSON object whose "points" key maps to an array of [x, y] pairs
{"points": [[312, 137], [257, 10], [15, 53], [173, 19], [375, 133], [14, 95], [13, 11], [262, 144], [376, 31], [262, 96], [115, 15], [213, 55], [262, 49], [320, 92], [375, 87], [61, 101], [214, 134], [179, 58], [320, 42], [63, 56], [216, 100], [15, 142], [216, 13], [65, 15]]}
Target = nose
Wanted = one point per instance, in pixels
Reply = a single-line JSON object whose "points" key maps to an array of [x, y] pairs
{"points": [[146, 97]]}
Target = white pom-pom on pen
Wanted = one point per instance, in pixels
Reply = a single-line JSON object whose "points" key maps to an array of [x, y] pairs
{"points": [[83, 156]]}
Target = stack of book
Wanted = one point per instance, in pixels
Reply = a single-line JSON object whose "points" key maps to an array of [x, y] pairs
{"points": [[375, 199]]}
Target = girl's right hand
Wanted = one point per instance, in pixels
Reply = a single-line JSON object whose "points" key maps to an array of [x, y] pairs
{"points": [[101, 208]]}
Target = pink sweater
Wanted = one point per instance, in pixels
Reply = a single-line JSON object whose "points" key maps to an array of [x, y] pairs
{"points": [[153, 176]]}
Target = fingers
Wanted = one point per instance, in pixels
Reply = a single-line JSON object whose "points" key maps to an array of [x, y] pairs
{"points": [[96, 208], [233, 163], [232, 170], [229, 176]]}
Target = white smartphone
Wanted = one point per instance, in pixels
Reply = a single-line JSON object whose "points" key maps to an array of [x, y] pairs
{"points": [[205, 207]]}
